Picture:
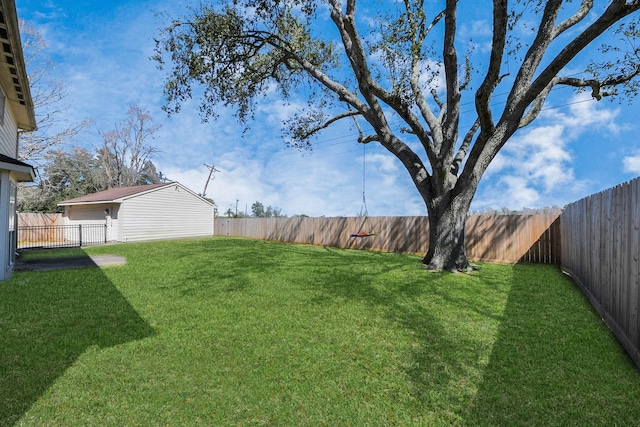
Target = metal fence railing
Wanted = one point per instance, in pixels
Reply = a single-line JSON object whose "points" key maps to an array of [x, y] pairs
{"points": [[61, 236]]}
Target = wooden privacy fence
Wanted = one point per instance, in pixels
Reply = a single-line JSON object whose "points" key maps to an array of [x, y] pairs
{"points": [[601, 252], [28, 219], [44, 230], [498, 238], [41, 226]]}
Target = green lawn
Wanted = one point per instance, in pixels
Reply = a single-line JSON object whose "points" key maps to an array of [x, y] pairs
{"points": [[224, 331]]}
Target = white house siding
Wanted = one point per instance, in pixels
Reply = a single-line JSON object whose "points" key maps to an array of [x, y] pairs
{"points": [[166, 213], [8, 147], [8, 134]]}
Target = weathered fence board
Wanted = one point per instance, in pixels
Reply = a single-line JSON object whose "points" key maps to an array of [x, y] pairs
{"points": [[601, 251], [29, 219], [42, 227], [501, 238]]}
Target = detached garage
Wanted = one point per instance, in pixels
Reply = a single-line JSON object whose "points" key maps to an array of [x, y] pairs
{"points": [[143, 212]]}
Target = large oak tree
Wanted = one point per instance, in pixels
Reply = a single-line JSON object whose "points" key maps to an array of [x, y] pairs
{"points": [[388, 61]]}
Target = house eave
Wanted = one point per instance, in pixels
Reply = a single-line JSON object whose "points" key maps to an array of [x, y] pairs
{"points": [[21, 171], [95, 202], [15, 81]]}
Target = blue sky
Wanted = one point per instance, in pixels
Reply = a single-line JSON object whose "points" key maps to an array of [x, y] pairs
{"points": [[577, 147]]}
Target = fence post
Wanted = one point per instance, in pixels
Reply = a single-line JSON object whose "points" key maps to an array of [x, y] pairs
{"points": [[105, 233], [80, 233]]}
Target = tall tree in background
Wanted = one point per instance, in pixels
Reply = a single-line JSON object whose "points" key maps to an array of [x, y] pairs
{"points": [[123, 159], [125, 154], [409, 69], [258, 210], [66, 174], [49, 99]]}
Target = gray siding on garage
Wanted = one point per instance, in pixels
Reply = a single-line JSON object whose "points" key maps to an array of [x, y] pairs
{"points": [[166, 213]]}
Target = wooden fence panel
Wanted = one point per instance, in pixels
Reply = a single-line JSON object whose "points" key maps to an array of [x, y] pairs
{"points": [[501, 238], [43, 227], [29, 219], [601, 251]]}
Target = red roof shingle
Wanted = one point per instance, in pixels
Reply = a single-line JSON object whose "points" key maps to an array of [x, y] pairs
{"points": [[113, 194]]}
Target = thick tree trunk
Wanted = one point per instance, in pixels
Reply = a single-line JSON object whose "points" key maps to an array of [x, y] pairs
{"points": [[446, 236]]}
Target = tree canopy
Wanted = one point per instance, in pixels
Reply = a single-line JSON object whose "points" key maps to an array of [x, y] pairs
{"points": [[406, 62], [123, 159]]}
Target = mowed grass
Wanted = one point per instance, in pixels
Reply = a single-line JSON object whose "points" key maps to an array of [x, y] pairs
{"points": [[222, 331]]}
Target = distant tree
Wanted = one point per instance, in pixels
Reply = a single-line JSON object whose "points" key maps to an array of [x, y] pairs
{"points": [[408, 70], [125, 153], [274, 212], [150, 174], [258, 211], [49, 100], [66, 175]]}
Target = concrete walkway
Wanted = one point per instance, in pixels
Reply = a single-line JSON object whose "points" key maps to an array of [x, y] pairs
{"points": [[65, 263]]}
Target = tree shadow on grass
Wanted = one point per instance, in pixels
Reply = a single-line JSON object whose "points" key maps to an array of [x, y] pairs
{"points": [[446, 322], [554, 362], [47, 320], [508, 345]]}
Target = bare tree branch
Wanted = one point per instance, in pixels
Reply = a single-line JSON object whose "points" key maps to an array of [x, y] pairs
{"points": [[466, 143], [582, 12], [491, 80], [416, 60], [597, 85], [450, 57], [617, 10], [534, 56], [537, 105], [125, 152], [49, 99], [306, 134], [368, 139], [357, 57]]}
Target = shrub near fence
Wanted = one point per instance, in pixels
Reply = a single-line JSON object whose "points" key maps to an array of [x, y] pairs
{"points": [[498, 238], [601, 252]]}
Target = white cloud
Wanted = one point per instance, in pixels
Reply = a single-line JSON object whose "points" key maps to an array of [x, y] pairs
{"points": [[631, 164], [535, 168], [509, 191], [584, 114], [479, 33]]}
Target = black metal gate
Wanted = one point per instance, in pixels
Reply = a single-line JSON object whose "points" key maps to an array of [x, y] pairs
{"points": [[61, 236]]}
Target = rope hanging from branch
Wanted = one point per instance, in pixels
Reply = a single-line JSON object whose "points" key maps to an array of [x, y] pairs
{"points": [[363, 208]]}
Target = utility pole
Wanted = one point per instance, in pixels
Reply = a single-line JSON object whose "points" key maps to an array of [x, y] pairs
{"points": [[212, 169]]}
